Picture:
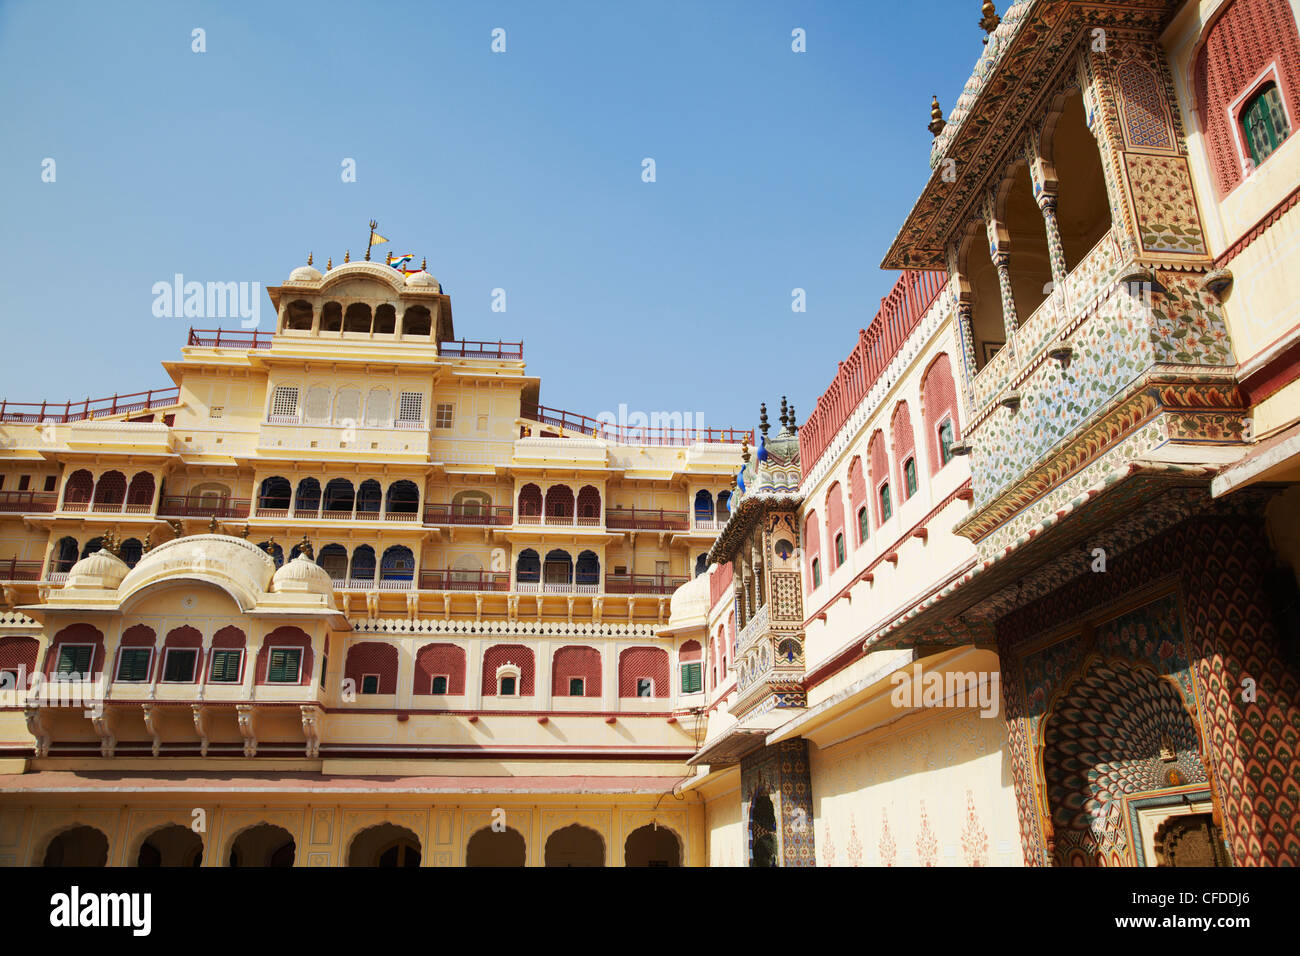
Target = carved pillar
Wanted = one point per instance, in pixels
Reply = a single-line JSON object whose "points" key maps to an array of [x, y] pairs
{"points": [[966, 336], [1002, 262], [1055, 251]]}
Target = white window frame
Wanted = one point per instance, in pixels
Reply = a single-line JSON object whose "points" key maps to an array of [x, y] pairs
{"points": [[1234, 113], [938, 439], [162, 674], [582, 681], [451, 415], [117, 671], [681, 667], [284, 417], [212, 654], [402, 420], [284, 647], [362, 684], [510, 670], [445, 677]]}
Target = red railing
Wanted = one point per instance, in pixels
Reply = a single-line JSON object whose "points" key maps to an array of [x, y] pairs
{"points": [[23, 502], [181, 506], [230, 338], [648, 518], [463, 348], [15, 570], [631, 435], [89, 408], [878, 343], [464, 514], [642, 583], [452, 580]]}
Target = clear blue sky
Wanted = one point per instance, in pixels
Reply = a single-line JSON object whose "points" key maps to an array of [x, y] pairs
{"points": [[520, 171]]}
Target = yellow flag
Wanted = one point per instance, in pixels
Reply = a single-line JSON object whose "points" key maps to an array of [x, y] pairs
{"points": [[376, 239]]}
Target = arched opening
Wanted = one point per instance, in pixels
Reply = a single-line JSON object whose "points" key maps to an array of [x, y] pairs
{"points": [[528, 567], [298, 316], [110, 491], [1030, 266], [264, 845], [1082, 204], [363, 565], [575, 672], [338, 498], [379, 408], [385, 320], [274, 550], [357, 318], [559, 503], [575, 845], [370, 496], [331, 317], [701, 564], [417, 320], [652, 846], [900, 427], [988, 329], [939, 411], [385, 845], [333, 558], [530, 502], [724, 506], [172, 845], [307, 500], [316, 407], [64, 555], [1190, 840], [703, 505], [139, 497], [93, 546], [130, 551], [587, 570], [440, 669], [762, 830], [403, 498], [558, 569], [80, 487], [347, 407], [470, 505], [274, 494], [78, 846], [491, 847], [398, 564], [588, 506]]}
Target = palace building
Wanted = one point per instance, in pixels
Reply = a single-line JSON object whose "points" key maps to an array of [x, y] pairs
{"points": [[1023, 589]]}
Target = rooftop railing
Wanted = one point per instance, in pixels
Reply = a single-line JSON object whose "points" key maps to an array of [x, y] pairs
{"points": [[450, 579], [464, 348], [466, 514], [230, 338], [631, 434], [25, 502], [64, 412], [900, 313], [634, 519]]}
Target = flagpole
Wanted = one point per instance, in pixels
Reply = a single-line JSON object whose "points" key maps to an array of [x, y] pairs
{"points": [[373, 226]]}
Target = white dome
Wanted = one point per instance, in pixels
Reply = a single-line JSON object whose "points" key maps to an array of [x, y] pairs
{"points": [[422, 280], [304, 274], [302, 576], [98, 570]]}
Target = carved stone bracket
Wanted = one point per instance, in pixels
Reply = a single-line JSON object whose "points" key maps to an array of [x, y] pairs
{"points": [[245, 713], [201, 726], [39, 728], [311, 725], [150, 712], [103, 725]]}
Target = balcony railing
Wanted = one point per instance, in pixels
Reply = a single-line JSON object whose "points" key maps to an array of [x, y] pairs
{"points": [[463, 348], [24, 502], [633, 519], [450, 579], [230, 339], [15, 570], [900, 313], [466, 514], [64, 412], [631, 435], [752, 629], [642, 583]]}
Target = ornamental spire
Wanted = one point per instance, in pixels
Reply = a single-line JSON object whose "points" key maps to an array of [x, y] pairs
{"points": [[936, 117], [989, 22]]}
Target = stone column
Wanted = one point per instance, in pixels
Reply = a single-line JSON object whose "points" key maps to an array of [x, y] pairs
{"points": [[1055, 251]]}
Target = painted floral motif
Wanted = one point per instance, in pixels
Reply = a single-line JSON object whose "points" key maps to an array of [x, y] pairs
{"points": [[855, 845], [974, 839], [827, 846], [1164, 204], [888, 848], [1189, 327], [927, 844]]}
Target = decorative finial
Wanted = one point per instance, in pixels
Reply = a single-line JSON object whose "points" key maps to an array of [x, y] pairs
{"points": [[304, 548], [762, 418], [243, 532], [785, 414], [177, 530], [109, 542], [990, 21], [212, 525], [424, 264], [794, 422], [147, 546], [744, 449], [347, 255], [329, 263], [936, 117], [309, 258]]}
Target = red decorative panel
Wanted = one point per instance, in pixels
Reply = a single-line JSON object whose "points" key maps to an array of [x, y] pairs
{"points": [[690, 651], [19, 653], [530, 500], [938, 401], [878, 459], [141, 490], [372, 657], [721, 583], [445, 659], [638, 662], [581, 662], [812, 547], [75, 634], [285, 637], [499, 654], [835, 518], [900, 426], [857, 493], [111, 488], [80, 486], [184, 636], [1246, 38]]}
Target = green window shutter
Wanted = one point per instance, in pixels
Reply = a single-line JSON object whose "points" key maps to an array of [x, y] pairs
{"points": [[945, 442], [283, 667], [886, 503], [692, 679], [133, 665], [439, 685], [74, 660], [1264, 123], [179, 665], [370, 684], [839, 550], [909, 472], [225, 667], [863, 522]]}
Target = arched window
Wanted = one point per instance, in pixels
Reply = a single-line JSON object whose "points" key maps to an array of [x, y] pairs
{"points": [[316, 409], [701, 564], [333, 558], [976, 264], [307, 500], [516, 661], [643, 672], [835, 522], [559, 503], [339, 498], [589, 505], [724, 506], [1030, 266], [274, 494], [900, 426], [398, 564], [385, 320], [347, 407], [63, 555], [363, 565], [470, 505], [379, 408], [131, 550], [331, 317], [939, 411], [575, 672], [369, 497], [557, 572], [93, 546], [285, 658], [403, 498], [440, 669], [357, 318], [703, 506], [275, 551], [528, 567], [417, 320], [587, 570], [812, 551], [298, 315], [1082, 204], [139, 496], [858, 498], [80, 487], [372, 667], [878, 459], [110, 491], [530, 502]]}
